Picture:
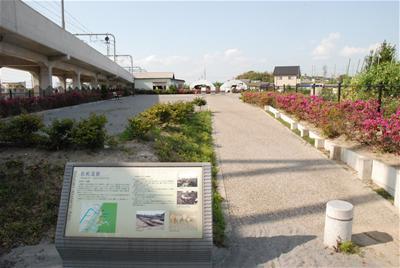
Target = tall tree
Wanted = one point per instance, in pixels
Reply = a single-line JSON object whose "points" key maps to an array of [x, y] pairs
{"points": [[385, 53]]}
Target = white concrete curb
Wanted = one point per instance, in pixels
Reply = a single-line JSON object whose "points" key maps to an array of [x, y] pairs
{"points": [[383, 175]]}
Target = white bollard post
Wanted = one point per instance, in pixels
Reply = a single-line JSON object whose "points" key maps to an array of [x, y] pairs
{"points": [[338, 222]]}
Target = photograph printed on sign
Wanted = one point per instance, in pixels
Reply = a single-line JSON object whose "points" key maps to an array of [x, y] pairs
{"points": [[150, 220], [186, 197], [187, 182], [182, 221]]}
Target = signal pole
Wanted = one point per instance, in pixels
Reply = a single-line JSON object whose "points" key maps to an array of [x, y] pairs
{"points": [[106, 39], [62, 15]]}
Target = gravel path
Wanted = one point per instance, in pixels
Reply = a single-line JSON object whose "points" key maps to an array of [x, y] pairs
{"points": [[277, 186]]}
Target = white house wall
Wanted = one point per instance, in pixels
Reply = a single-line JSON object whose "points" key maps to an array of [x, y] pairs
{"points": [[286, 81], [147, 84]]}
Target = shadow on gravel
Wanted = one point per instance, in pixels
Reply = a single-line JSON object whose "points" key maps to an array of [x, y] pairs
{"points": [[260, 250], [365, 239], [317, 208], [285, 166]]}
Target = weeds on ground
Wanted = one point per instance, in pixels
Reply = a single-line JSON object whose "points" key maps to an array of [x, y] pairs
{"points": [[347, 247], [296, 131], [382, 192], [29, 199]]}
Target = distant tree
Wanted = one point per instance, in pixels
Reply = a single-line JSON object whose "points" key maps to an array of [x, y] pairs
{"points": [[198, 101], [261, 76], [385, 53], [382, 69], [217, 84]]}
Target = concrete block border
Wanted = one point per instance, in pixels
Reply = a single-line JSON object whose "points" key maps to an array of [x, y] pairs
{"points": [[383, 175]]}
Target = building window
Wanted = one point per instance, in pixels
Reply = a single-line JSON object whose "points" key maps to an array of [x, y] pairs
{"points": [[289, 77], [280, 78]]}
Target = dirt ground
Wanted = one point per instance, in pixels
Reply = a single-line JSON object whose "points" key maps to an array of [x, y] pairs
{"points": [[130, 152], [45, 254]]}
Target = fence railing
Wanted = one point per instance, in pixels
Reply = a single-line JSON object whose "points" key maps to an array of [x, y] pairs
{"points": [[335, 92], [12, 95]]}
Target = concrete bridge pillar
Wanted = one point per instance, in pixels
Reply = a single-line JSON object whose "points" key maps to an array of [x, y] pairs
{"points": [[35, 83], [95, 82], [63, 82], [46, 77], [76, 80]]}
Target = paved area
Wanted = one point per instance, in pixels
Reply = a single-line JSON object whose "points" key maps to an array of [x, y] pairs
{"points": [[116, 111], [277, 186]]}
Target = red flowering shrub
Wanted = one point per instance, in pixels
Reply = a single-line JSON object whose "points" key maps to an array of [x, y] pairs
{"points": [[359, 120], [10, 107]]}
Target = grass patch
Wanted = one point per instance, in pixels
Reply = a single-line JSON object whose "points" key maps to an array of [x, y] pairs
{"points": [[347, 247], [382, 192], [191, 141], [297, 132], [29, 199], [286, 124], [309, 140]]}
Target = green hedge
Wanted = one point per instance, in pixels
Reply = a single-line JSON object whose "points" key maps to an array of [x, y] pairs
{"points": [[29, 130]]}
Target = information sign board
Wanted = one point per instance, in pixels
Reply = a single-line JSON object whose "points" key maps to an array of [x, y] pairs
{"points": [[135, 210]]}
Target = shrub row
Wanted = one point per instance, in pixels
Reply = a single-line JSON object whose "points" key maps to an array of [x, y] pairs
{"points": [[29, 130], [15, 106], [162, 115], [358, 120]]}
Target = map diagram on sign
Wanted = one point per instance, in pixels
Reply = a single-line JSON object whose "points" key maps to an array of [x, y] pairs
{"points": [[98, 217]]}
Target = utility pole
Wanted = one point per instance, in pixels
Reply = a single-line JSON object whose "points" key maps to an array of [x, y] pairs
{"points": [[62, 15], [334, 71], [358, 65], [131, 59], [348, 67]]}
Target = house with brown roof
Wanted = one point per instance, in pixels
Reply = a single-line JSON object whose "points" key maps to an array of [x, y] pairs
{"points": [[285, 76], [156, 80]]}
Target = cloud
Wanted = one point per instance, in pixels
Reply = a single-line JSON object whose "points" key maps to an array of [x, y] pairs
{"points": [[154, 59], [326, 46], [219, 64], [349, 51], [231, 52]]}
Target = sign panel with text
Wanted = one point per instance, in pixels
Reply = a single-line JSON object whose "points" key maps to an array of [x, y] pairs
{"points": [[135, 214], [135, 202]]}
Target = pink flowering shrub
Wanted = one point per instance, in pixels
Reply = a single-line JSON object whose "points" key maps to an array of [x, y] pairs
{"points": [[358, 120], [15, 106]]}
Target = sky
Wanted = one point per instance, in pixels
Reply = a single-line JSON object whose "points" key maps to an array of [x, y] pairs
{"points": [[224, 39]]}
